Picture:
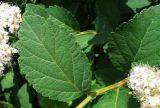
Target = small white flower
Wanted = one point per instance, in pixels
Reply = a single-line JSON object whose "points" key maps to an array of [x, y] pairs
{"points": [[3, 36], [154, 101], [1, 69], [6, 53]]}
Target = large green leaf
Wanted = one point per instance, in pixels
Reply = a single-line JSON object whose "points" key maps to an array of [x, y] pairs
{"points": [[51, 58], [117, 98], [24, 97], [137, 40], [59, 13]]}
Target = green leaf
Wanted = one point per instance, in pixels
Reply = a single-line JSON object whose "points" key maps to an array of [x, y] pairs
{"points": [[7, 81], [109, 9], [136, 4], [33, 1], [137, 40], [59, 13], [108, 17], [105, 48], [47, 103], [24, 97], [117, 98], [51, 58], [64, 16], [83, 38], [95, 86], [7, 96]]}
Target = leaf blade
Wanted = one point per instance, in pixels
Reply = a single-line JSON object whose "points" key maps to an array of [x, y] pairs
{"points": [[61, 63], [24, 97], [60, 13], [136, 4], [136, 40], [117, 98]]}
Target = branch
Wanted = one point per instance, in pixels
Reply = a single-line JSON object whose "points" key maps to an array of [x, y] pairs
{"points": [[87, 33], [101, 91]]}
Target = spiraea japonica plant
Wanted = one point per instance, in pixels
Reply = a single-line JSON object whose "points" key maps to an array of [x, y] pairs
{"points": [[80, 54]]}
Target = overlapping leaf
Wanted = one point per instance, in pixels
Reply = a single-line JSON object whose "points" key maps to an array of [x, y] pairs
{"points": [[59, 13], [137, 40]]}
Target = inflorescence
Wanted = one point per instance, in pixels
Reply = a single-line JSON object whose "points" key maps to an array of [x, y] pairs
{"points": [[10, 18], [145, 83]]}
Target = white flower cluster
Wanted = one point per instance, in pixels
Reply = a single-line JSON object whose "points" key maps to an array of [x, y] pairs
{"points": [[145, 83], [10, 18]]}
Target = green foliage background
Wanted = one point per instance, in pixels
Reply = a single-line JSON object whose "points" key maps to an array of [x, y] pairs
{"points": [[69, 48]]}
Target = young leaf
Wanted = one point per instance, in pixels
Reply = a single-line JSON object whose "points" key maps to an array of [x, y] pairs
{"points": [[51, 58], [83, 38], [137, 40], [135, 4], [117, 98], [59, 13], [24, 97]]}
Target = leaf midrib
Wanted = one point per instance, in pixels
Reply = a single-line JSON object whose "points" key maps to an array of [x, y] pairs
{"points": [[142, 40], [116, 100], [43, 73]]}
